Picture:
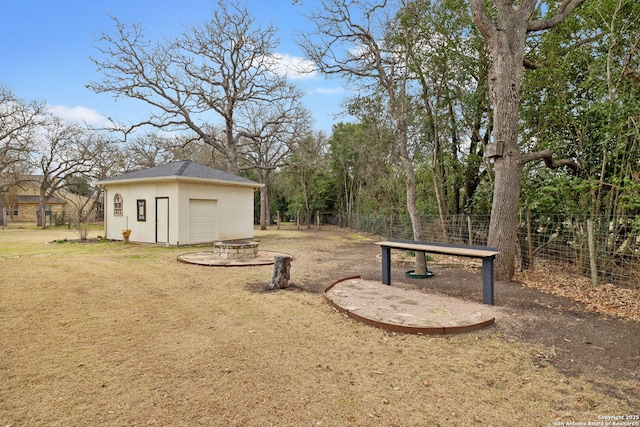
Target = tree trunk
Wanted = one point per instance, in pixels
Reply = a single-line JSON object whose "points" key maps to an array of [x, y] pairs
{"points": [[412, 208], [507, 51], [42, 218], [281, 273], [503, 226], [3, 216], [529, 248], [476, 148], [505, 34], [437, 170], [267, 209], [264, 200], [230, 148], [455, 145], [440, 201]]}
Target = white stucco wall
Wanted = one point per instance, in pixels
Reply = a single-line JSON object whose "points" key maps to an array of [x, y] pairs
{"points": [[235, 209], [141, 231]]}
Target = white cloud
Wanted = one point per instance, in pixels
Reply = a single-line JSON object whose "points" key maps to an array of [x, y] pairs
{"points": [[80, 114], [329, 90], [294, 67], [357, 50]]}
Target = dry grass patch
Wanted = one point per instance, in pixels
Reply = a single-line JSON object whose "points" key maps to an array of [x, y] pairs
{"points": [[126, 335]]}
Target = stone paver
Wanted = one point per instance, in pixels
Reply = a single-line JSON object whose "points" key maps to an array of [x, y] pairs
{"points": [[413, 309], [208, 259]]}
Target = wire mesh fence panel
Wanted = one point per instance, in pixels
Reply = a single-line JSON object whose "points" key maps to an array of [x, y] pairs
{"points": [[605, 249]]}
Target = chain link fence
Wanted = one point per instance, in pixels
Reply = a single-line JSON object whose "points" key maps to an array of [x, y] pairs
{"points": [[605, 249]]}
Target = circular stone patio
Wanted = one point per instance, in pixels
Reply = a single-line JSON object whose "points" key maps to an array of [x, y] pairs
{"points": [[406, 310], [208, 259]]}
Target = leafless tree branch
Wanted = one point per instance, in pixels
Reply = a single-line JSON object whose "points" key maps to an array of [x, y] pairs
{"points": [[547, 157], [199, 81]]}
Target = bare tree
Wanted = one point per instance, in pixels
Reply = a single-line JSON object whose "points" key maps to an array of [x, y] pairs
{"points": [[18, 122], [198, 81], [84, 209], [149, 150], [349, 40], [107, 161], [276, 127], [199, 152], [61, 150], [505, 31]]}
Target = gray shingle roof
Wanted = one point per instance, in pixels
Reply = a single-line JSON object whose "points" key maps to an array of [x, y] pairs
{"points": [[36, 199], [184, 168]]}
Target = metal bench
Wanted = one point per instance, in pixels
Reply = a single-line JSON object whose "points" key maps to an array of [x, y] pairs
{"points": [[486, 254]]}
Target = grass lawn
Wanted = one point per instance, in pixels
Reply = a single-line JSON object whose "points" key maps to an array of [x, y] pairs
{"points": [[124, 335]]}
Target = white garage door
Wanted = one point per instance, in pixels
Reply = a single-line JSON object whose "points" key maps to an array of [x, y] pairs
{"points": [[203, 221]]}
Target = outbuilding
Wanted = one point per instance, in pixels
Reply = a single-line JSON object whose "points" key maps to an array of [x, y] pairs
{"points": [[179, 203]]}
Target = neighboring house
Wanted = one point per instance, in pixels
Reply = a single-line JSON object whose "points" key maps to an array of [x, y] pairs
{"points": [[180, 203], [21, 202], [24, 207]]}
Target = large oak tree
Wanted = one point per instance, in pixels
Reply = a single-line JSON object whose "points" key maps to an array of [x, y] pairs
{"points": [[200, 82], [505, 29]]}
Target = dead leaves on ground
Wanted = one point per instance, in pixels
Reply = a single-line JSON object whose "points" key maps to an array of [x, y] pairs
{"points": [[606, 298]]}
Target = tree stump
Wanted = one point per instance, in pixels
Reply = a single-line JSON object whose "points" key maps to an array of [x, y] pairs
{"points": [[281, 273]]}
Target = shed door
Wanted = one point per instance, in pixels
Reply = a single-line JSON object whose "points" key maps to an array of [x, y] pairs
{"points": [[203, 221], [162, 220]]}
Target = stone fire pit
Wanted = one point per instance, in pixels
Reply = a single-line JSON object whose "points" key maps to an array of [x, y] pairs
{"points": [[235, 249]]}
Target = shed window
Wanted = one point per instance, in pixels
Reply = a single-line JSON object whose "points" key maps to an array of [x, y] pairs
{"points": [[117, 205], [142, 210]]}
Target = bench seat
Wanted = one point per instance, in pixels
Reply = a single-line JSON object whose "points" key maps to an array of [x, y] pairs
{"points": [[485, 253]]}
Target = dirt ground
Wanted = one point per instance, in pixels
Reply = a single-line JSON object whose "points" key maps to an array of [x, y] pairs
{"points": [[579, 340], [113, 334]]}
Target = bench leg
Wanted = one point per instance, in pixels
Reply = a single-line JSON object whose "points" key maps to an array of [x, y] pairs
{"points": [[487, 281], [386, 265]]}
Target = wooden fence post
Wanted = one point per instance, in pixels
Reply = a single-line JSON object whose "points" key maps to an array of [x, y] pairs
{"points": [[592, 253], [529, 237]]}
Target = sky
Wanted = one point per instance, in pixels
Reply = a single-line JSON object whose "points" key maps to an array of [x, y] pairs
{"points": [[46, 45]]}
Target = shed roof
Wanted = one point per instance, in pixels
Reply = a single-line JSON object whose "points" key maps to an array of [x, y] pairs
{"points": [[186, 169]]}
